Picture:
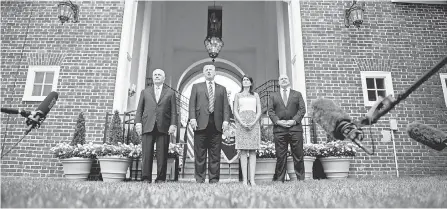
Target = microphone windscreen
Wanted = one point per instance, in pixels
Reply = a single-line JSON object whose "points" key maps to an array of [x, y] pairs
{"points": [[48, 103], [427, 135], [328, 115]]}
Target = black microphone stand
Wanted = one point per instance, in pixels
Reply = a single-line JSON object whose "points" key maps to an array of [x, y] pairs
{"points": [[33, 123], [15, 82]]}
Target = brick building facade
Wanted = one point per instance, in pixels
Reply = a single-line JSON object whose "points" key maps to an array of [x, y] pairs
{"points": [[89, 51], [411, 38]]}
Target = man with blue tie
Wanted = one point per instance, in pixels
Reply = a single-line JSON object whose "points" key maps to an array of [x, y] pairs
{"points": [[286, 110], [156, 119], [209, 115]]}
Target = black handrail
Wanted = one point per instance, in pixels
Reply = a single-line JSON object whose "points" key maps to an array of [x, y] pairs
{"points": [[264, 92]]}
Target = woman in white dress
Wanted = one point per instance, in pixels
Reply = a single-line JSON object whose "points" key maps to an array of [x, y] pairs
{"points": [[247, 112]]}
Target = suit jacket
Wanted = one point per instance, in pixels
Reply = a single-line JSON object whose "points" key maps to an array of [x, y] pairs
{"points": [[294, 110], [163, 112], [199, 106]]}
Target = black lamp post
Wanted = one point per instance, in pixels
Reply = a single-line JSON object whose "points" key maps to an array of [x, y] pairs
{"points": [[67, 11]]}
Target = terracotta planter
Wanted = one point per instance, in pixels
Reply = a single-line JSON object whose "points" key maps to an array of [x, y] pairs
{"points": [[308, 164], [113, 168], [137, 170], [336, 167], [76, 168], [265, 169]]}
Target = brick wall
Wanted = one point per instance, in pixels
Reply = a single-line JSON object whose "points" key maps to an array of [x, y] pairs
{"points": [[414, 38], [89, 51]]}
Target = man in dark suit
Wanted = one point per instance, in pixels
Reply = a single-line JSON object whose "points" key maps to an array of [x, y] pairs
{"points": [[286, 110], [209, 116], [156, 119]]}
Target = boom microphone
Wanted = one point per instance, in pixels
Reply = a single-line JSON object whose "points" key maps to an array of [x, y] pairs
{"points": [[336, 122], [427, 135], [35, 118], [48, 103], [42, 111]]}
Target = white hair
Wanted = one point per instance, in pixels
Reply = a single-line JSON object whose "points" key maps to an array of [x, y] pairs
{"points": [[159, 70], [282, 76]]}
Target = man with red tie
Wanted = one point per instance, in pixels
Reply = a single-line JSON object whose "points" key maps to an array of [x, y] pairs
{"points": [[209, 115]]}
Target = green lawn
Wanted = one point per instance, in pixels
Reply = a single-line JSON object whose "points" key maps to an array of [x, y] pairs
{"points": [[383, 192]]}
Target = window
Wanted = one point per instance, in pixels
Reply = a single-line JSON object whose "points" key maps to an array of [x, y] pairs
{"points": [[41, 80], [375, 84], [444, 85]]}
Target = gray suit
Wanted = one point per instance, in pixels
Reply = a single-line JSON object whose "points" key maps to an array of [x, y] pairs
{"points": [[208, 135], [156, 118], [295, 110]]}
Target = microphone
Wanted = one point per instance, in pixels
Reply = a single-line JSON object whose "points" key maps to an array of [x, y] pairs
{"points": [[23, 113], [35, 118], [41, 111], [336, 122], [427, 135]]}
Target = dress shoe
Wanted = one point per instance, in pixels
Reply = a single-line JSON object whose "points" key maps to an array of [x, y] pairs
{"points": [[145, 179], [214, 181]]}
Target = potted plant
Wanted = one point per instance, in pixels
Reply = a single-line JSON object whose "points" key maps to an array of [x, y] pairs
{"points": [[174, 151], [336, 156], [310, 152], [266, 161], [114, 155], [76, 157]]}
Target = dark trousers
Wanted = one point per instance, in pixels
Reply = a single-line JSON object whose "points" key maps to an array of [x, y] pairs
{"points": [[162, 142], [207, 140], [282, 141]]}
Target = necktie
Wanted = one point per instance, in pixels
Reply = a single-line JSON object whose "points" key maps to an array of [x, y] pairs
{"points": [[157, 93], [284, 96], [211, 95]]}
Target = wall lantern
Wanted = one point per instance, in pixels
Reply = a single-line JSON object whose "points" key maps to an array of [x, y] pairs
{"points": [[67, 11], [354, 15], [213, 41]]}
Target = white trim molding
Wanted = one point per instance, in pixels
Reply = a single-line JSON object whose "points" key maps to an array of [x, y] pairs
{"points": [[126, 45], [144, 50], [281, 38], [30, 79], [443, 77], [297, 51], [182, 77], [388, 84]]}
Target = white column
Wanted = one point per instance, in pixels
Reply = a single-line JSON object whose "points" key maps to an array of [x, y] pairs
{"points": [[297, 55], [281, 38], [126, 46], [144, 50]]}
